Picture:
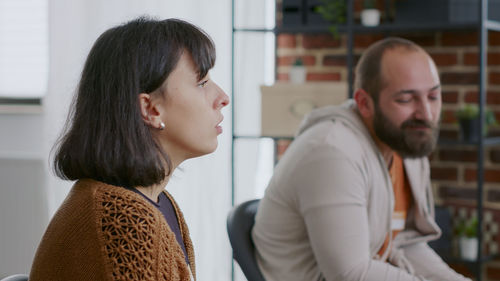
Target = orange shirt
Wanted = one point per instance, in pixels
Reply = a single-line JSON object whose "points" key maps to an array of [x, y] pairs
{"points": [[403, 198]]}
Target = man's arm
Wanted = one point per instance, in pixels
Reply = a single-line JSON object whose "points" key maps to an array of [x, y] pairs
{"points": [[430, 265], [340, 242], [332, 196]]}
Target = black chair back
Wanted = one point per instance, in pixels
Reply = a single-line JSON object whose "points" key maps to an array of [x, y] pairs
{"points": [[17, 277], [239, 226]]}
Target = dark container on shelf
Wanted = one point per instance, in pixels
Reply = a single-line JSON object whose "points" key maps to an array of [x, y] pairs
{"points": [[301, 13], [293, 12], [312, 17], [412, 11], [443, 11], [467, 11], [469, 129]]}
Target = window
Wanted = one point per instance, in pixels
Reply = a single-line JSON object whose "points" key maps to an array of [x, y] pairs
{"points": [[24, 55]]}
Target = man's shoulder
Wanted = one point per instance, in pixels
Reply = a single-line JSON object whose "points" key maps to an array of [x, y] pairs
{"points": [[334, 135]]}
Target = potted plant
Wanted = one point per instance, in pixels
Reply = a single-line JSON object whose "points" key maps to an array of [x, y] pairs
{"points": [[297, 72], [370, 16], [468, 118], [333, 11], [467, 233]]}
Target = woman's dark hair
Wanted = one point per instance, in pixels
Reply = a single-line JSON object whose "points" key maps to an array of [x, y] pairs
{"points": [[105, 137]]}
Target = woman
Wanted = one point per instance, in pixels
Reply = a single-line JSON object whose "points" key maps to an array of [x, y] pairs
{"points": [[145, 103]]}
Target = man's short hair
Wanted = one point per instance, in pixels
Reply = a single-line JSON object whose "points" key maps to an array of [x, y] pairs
{"points": [[368, 70]]}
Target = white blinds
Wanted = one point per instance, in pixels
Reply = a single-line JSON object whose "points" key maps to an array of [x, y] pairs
{"points": [[24, 57]]}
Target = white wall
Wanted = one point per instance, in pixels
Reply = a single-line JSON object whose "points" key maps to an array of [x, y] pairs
{"points": [[30, 193]]}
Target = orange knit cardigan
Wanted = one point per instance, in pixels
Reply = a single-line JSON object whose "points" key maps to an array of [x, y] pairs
{"points": [[105, 232]]}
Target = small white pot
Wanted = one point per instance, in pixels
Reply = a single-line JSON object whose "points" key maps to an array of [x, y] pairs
{"points": [[370, 17], [297, 74], [468, 248]]}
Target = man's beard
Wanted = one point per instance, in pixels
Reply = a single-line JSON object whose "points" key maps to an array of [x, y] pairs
{"points": [[407, 142]]}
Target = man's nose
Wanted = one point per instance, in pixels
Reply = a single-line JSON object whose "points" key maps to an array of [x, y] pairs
{"points": [[424, 111]]}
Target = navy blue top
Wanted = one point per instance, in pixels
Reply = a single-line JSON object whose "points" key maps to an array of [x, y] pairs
{"points": [[167, 209]]}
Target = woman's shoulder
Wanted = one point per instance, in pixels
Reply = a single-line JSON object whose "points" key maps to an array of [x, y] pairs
{"points": [[133, 233]]}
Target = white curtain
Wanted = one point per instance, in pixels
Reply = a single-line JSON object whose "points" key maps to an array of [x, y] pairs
{"points": [[203, 186]]}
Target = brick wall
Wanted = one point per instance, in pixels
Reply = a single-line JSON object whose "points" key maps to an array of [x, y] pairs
{"points": [[456, 55]]}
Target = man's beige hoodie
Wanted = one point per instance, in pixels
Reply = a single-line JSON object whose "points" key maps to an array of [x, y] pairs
{"points": [[328, 209]]}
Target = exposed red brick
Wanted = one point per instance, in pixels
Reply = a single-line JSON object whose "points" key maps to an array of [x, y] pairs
{"points": [[358, 6], [431, 156], [445, 59], [459, 38], [338, 60], [472, 58], [471, 97], [451, 192], [490, 175], [449, 97], [287, 40], [493, 195], [457, 155], [448, 117], [329, 76], [448, 134], [495, 155], [492, 97], [289, 60], [282, 77], [457, 78], [494, 78], [335, 60], [494, 131], [365, 40], [493, 273], [497, 116], [427, 39], [462, 268], [318, 41], [438, 173], [493, 38], [470, 175]]}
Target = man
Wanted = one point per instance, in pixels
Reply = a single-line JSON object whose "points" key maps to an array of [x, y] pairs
{"points": [[351, 197]]}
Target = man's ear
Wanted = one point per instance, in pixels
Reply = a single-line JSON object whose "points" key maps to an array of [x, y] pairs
{"points": [[364, 102], [149, 111]]}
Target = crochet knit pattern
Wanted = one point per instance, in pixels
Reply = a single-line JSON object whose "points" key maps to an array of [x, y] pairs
{"points": [[117, 234]]}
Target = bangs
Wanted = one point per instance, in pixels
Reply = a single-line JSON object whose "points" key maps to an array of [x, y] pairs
{"points": [[200, 46], [203, 57]]}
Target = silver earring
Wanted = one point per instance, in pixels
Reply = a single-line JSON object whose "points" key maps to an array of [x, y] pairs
{"points": [[162, 126]]}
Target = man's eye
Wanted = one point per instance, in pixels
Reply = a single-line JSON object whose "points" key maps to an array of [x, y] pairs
{"points": [[403, 100]]}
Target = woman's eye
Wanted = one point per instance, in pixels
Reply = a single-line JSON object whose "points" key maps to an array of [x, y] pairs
{"points": [[202, 84]]}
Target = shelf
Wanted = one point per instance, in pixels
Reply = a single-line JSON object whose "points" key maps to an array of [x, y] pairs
{"points": [[486, 141], [263, 137], [384, 27], [492, 25], [241, 29], [454, 259]]}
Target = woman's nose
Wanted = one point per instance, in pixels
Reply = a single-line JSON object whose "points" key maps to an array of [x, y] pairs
{"points": [[222, 98]]}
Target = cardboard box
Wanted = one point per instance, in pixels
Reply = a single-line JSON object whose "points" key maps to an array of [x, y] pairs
{"points": [[284, 105]]}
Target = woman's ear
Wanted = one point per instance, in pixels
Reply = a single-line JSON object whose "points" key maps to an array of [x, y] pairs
{"points": [[149, 111], [365, 103]]}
